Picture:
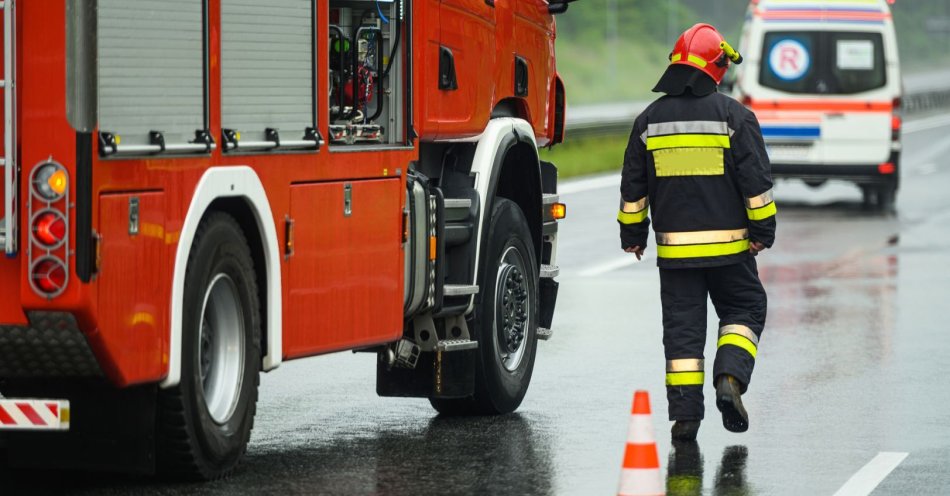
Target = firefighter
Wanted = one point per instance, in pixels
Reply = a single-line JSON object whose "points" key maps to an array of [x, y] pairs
{"points": [[697, 160]]}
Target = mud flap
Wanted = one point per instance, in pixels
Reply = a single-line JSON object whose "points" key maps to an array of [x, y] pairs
{"points": [[439, 374], [110, 430]]}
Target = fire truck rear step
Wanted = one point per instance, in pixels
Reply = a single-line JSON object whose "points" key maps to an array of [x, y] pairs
{"points": [[34, 415], [460, 289], [456, 345]]}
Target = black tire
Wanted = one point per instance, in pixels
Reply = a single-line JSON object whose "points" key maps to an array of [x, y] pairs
{"points": [[879, 198], [192, 443], [499, 390]]}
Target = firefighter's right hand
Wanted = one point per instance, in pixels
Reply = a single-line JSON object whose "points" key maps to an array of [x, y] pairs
{"points": [[635, 250], [755, 247]]}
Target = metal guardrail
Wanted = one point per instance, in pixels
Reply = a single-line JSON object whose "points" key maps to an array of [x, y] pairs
{"points": [[922, 92]]}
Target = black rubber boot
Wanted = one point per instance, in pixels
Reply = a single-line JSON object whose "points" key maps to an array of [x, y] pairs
{"points": [[685, 430], [729, 402]]}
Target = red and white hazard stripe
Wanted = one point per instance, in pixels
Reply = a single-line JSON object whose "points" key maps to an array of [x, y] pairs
{"points": [[34, 414]]}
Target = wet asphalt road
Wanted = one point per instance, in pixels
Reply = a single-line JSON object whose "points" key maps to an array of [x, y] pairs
{"points": [[852, 363]]}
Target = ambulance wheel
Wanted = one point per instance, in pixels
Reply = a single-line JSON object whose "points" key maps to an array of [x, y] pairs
{"points": [[204, 423], [506, 318]]}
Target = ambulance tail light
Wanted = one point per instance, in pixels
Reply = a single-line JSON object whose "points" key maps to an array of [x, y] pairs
{"points": [[886, 168], [896, 123]]}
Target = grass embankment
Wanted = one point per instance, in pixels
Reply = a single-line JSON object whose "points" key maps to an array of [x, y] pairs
{"points": [[585, 156]]}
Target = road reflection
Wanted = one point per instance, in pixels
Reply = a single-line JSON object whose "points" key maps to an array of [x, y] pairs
{"points": [[685, 471]]}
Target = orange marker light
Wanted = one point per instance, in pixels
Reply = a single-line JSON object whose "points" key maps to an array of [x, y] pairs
{"points": [[558, 211], [57, 181], [433, 248]]}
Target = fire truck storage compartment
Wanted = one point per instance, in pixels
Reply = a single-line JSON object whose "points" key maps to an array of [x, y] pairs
{"points": [[134, 282], [152, 72], [267, 84], [344, 279], [366, 79]]}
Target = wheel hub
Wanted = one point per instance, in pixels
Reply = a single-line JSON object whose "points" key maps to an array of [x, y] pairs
{"points": [[511, 309], [221, 348]]}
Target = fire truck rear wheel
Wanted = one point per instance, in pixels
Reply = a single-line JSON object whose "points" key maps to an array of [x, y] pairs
{"points": [[506, 318], [205, 422]]}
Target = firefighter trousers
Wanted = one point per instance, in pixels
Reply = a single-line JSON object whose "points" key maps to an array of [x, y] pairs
{"points": [[740, 301]]}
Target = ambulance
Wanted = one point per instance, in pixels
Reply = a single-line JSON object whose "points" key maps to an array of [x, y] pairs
{"points": [[823, 79]]}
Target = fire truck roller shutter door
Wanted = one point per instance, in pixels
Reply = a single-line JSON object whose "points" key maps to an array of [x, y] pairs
{"points": [[228, 182]]}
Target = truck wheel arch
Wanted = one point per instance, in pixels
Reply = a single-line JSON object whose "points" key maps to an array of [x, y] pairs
{"points": [[221, 186], [504, 150]]}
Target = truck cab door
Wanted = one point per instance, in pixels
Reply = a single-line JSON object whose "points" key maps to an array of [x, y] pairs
{"points": [[467, 51]]}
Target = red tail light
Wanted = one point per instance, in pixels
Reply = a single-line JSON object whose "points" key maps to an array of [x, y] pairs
{"points": [[49, 276], [896, 127], [49, 228], [886, 168]]}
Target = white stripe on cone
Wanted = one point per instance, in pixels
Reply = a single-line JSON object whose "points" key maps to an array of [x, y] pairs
{"points": [[641, 482], [640, 430]]}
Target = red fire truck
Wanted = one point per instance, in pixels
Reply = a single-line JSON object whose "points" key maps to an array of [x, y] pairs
{"points": [[197, 190]]}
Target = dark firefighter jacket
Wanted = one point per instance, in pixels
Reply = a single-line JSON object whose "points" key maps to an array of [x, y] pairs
{"points": [[699, 165]]}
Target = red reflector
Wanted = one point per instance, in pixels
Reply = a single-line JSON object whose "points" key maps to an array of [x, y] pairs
{"points": [[49, 275], [886, 168], [895, 122], [49, 228]]}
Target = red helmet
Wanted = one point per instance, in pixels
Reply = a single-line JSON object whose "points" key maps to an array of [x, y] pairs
{"points": [[702, 47]]}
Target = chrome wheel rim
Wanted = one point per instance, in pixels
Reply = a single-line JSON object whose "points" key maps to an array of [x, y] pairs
{"points": [[221, 348], [512, 308]]}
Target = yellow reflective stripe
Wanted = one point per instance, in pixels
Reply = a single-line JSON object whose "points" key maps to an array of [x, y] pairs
{"points": [[701, 237], [685, 378], [688, 140], [671, 162], [676, 57], [696, 60], [761, 213], [737, 340], [685, 365], [699, 251], [632, 218], [759, 201], [633, 207], [684, 484]]}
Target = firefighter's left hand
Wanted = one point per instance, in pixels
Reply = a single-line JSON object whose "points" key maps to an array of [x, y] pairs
{"points": [[755, 247], [635, 250]]}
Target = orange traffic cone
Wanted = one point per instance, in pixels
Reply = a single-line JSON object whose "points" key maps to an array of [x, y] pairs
{"points": [[641, 462]]}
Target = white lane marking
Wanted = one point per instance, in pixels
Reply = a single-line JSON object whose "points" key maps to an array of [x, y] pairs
{"points": [[589, 184], [868, 478], [926, 169], [926, 124], [613, 265]]}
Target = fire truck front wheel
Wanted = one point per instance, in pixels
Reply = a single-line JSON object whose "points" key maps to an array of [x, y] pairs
{"points": [[205, 422], [506, 318]]}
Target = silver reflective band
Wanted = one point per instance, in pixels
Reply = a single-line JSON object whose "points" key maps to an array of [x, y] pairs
{"points": [[740, 330], [760, 200], [685, 365], [701, 237], [688, 127], [633, 207]]}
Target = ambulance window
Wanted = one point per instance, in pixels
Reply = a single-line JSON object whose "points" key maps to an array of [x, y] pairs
{"points": [[823, 62], [151, 73], [267, 84], [858, 61]]}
